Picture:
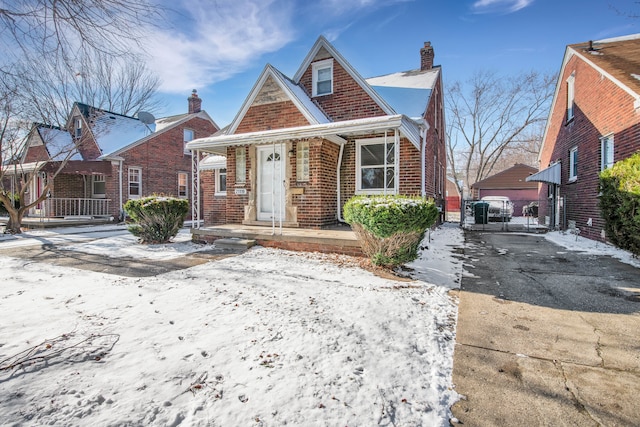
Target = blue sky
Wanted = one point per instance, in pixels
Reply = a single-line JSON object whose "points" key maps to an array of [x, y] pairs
{"points": [[220, 47]]}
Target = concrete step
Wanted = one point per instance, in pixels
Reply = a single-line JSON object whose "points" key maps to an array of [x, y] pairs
{"points": [[234, 243]]}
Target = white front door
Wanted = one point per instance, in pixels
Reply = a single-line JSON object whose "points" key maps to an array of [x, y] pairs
{"points": [[270, 183]]}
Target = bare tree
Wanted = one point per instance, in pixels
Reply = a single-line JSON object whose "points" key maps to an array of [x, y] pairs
{"points": [[63, 27], [63, 51], [490, 115]]}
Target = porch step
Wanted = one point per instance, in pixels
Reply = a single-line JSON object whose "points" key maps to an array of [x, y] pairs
{"points": [[234, 243]]}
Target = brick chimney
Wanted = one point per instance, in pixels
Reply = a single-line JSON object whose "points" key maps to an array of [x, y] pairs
{"points": [[426, 57], [194, 102]]}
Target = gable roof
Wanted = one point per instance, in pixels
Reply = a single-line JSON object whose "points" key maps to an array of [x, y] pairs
{"points": [[295, 93], [407, 92], [618, 59], [57, 142], [513, 178], [323, 43], [116, 133]]}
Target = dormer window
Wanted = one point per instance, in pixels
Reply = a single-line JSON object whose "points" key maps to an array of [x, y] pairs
{"points": [[322, 77], [77, 127]]}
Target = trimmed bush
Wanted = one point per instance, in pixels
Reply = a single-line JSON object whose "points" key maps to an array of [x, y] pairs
{"points": [[620, 203], [390, 228], [157, 219]]}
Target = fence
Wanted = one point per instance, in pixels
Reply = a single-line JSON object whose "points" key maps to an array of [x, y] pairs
{"points": [[502, 215], [63, 207]]}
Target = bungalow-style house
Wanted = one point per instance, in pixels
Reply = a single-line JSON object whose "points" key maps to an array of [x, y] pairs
{"points": [[300, 147], [594, 121], [117, 158], [512, 183]]}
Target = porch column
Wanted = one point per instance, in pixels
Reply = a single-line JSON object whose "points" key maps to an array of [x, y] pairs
{"points": [[195, 189]]}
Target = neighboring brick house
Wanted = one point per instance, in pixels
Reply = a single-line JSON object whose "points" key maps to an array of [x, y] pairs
{"points": [[594, 121], [511, 183], [118, 158], [299, 148]]}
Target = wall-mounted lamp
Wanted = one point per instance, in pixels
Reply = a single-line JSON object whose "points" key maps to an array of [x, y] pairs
{"points": [[292, 152]]}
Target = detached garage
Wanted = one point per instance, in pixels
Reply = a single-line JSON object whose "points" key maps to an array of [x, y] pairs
{"points": [[511, 183]]}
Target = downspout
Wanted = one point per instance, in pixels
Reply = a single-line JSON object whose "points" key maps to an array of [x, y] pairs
{"points": [[338, 181], [423, 160], [120, 188]]}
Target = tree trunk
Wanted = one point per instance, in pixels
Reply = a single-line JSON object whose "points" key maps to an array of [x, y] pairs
{"points": [[15, 221]]}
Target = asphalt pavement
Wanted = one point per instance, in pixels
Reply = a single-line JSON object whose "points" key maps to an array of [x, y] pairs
{"points": [[545, 336]]}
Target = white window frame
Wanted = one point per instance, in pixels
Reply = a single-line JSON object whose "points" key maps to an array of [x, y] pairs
{"points": [[316, 68], [573, 164], [77, 127], [94, 180], [187, 135], [241, 165], [302, 161], [185, 177], [606, 152], [139, 182], [571, 97], [378, 141], [218, 174]]}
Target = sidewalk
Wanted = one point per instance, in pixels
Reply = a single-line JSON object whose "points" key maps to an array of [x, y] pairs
{"points": [[546, 337]]}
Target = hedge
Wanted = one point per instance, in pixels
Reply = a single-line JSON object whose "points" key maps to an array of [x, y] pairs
{"points": [[157, 219], [390, 228], [620, 203]]}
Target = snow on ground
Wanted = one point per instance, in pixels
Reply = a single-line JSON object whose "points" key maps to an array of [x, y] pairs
{"points": [[266, 338], [575, 242]]}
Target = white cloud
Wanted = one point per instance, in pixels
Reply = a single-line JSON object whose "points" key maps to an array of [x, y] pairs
{"points": [[500, 6], [210, 42]]}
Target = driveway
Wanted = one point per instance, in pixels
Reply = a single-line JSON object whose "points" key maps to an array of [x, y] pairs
{"points": [[545, 336]]}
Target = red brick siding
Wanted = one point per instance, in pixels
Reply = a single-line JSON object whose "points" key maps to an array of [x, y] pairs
{"points": [[275, 115], [236, 202], [601, 108], [348, 100], [213, 207], [161, 158], [317, 205]]}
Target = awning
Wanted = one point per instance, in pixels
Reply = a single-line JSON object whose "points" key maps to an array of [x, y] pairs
{"points": [[212, 162], [550, 175], [330, 131]]}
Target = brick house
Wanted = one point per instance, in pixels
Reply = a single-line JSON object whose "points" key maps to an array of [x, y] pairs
{"points": [[117, 158], [512, 183], [300, 147], [594, 121]]}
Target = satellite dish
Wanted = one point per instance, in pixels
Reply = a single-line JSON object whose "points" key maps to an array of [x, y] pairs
{"points": [[146, 118]]}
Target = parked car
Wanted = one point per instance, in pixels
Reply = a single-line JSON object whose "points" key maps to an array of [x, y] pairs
{"points": [[500, 208]]}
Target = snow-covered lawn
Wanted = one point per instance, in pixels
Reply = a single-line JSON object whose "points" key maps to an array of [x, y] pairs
{"points": [[266, 338]]}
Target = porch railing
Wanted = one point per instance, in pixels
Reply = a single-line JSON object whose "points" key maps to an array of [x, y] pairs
{"points": [[62, 207]]}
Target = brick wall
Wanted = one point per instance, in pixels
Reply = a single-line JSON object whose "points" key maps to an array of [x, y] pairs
{"points": [[213, 207], [348, 100], [601, 108], [161, 158]]}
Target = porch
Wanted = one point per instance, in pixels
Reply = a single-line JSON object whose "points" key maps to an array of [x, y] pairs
{"points": [[339, 239]]}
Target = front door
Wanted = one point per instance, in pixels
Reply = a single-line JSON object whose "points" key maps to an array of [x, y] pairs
{"points": [[271, 183]]}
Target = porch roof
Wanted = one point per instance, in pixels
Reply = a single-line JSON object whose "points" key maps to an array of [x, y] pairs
{"points": [[331, 131], [550, 175]]}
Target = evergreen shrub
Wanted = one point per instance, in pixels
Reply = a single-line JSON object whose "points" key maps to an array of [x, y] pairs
{"points": [[620, 203], [157, 218], [390, 228]]}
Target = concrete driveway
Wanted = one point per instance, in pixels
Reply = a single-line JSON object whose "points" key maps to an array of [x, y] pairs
{"points": [[545, 336]]}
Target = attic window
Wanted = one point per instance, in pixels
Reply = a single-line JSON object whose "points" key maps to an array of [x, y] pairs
{"points": [[77, 127], [570, 96], [322, 77]]}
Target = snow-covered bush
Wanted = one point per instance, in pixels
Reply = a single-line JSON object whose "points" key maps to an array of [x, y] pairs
{"points": [[620, 203], [157, 219], [390, 228]]}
